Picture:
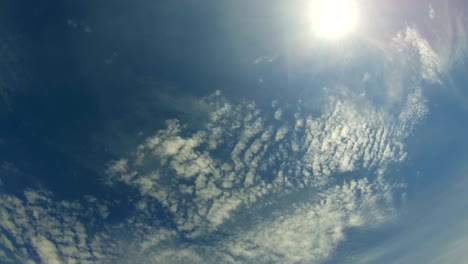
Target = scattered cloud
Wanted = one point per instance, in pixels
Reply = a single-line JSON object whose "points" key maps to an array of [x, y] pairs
{"points": [[327, 169], [37, 228], [202, 178]]}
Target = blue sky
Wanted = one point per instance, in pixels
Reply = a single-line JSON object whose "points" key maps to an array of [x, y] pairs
{"points": [[169, 131]]}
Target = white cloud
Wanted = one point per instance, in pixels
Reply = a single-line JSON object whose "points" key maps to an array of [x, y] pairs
{"points": [[431, 11], [278, 114], [313, 229], [415, 48], [53, 229], [204, 178], [45, 249], [281, 133]]}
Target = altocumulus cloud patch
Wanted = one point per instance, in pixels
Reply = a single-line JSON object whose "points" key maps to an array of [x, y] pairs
{"points": [[35, 227], [241, 156]]}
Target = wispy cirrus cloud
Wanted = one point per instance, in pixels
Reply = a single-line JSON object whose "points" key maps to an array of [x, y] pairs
{"points": [[433, 230]]}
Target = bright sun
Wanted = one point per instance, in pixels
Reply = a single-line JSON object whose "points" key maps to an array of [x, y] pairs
{"points": [[334, 19]]}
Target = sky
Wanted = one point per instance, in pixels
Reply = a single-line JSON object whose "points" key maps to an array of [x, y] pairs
{"points": [[229, 132]]}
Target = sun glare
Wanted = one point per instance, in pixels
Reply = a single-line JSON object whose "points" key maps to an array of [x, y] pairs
{"points": [[334, 19]]}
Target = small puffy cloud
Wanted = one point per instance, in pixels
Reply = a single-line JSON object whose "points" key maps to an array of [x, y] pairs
{"points": [[278, 114]]}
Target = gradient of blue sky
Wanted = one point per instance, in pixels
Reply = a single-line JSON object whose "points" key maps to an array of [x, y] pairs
{"points": [[175, 131]]}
